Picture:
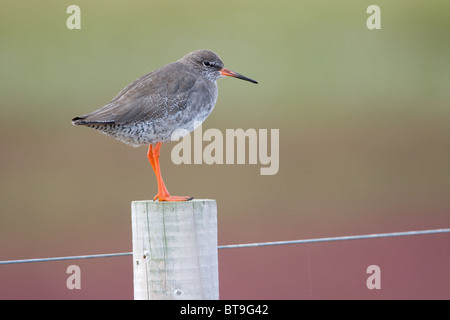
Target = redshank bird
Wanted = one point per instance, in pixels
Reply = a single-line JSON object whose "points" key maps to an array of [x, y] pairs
{"points": [[146, 112]]}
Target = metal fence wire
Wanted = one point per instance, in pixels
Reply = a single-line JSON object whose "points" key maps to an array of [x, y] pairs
{"points": [[247, 245]]}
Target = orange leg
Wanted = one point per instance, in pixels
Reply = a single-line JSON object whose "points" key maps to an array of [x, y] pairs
{"points": [[163, 194], [152, 162]]}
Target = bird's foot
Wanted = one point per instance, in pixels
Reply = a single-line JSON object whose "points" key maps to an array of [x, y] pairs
{"points": [[167, 197]]}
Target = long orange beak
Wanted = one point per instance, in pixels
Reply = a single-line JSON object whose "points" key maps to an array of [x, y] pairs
{"points": [[229, 73]]}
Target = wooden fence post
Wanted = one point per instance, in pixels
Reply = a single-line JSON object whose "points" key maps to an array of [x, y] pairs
{"points": [[175, 250]]}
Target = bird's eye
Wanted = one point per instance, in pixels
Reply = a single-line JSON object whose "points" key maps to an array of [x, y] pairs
{"points": [[206, 63]]}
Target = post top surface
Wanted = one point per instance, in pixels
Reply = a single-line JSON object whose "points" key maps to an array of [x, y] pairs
{"points": [[170, 202]]}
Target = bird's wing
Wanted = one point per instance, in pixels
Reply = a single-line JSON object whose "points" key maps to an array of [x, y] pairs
{"points": [[154, 96]]}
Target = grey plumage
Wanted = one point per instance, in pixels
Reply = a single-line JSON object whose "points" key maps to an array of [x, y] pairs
{"points": [[172, 97]]}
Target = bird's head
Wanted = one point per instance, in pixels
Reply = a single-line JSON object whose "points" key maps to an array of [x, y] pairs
{"points": [[210, 65]]}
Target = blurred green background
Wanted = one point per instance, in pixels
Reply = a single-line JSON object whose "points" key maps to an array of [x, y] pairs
{"points": [[364, 120]]}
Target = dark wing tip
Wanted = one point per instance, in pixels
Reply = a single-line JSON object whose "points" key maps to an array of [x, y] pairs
{"points": [[78, 121], [81, 121]]}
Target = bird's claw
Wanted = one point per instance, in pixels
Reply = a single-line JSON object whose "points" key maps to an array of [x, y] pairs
{"points": [[170, 198]]}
